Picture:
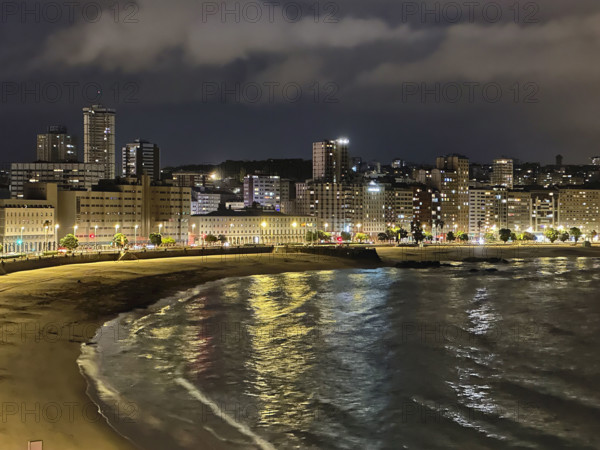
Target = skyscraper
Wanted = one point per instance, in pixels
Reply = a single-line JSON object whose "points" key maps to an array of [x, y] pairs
{"points": [[330, 160], [99, 137], [56, 145], [141, 158], [502, 174], [451, 177]]}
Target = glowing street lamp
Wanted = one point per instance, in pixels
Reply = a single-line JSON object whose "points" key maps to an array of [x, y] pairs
{"points": [[264, 226], [160, 225], [96, 236], [21, 240], [56, 227], [135, 235]]}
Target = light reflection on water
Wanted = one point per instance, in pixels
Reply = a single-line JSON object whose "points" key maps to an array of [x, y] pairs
{"points": [[378, 359]]}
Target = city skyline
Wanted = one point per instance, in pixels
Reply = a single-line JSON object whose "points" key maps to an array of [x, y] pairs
{"points": [[167, 156]]}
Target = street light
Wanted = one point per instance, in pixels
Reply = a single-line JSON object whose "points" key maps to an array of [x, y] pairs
{"points": [[160, 225], [135, 235], [96, 236], [264, 226], [56, 227], [21, 241], [46, 226]]}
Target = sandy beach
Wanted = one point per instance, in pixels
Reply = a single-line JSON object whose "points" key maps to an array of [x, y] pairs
{"points": [[46, 314]]}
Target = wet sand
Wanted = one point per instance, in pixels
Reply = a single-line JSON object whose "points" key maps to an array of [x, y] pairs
{"points": [[46, 314]]}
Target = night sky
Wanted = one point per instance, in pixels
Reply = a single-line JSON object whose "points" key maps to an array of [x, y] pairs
{"points": [[524, 85]]}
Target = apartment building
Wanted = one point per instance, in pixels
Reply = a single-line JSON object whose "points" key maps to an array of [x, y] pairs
{"points": [[488, 210], [579, 207]]}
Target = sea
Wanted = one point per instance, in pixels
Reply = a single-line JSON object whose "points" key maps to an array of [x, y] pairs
{"points": [[467, 356]]}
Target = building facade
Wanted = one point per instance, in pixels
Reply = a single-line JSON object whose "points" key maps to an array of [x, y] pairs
{"points": [[141, 158], [503, 173], [263, 190], [331, 161], [27, 226], [251, 227], [65, 175], [488, 210], [580, 208], [56, 145], [451, 178], [133, 207], [99, 128]]}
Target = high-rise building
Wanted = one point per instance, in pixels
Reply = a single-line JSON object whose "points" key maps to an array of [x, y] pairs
{"points": [[400, 206], [488, 210], [451, 178], [331, 161], [56, 145], [99, 138], [595, 160], [264, 190], [503, 173], [141, 158]]}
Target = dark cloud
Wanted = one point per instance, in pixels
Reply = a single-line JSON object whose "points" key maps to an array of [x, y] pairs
{"points": [[172, 69]]}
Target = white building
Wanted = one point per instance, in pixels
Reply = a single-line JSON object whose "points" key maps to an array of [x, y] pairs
{"points": [[27, 226], [264, 190], [251, 227]]}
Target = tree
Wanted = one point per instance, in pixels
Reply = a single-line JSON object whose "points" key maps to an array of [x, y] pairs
{"points": [[526, 236], [156, 239], [489, 236], [120, 240], [576, 233], [564, 236], [168, 241], [504, 234], [417, 231], [211, 239], [323, 236], [70, 242], [222, 238], [428, 237], [462, 236], [346, 236], [361, 237], [594, 234], [450, 237], [402, 233], [513, 236], [383, 237], [418, 235], [551, 234]]}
